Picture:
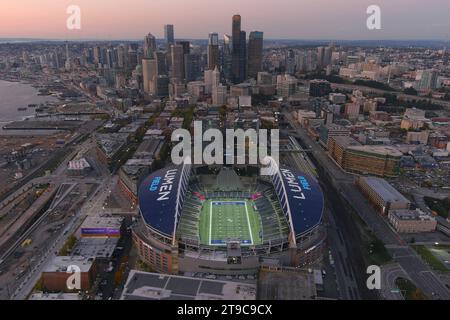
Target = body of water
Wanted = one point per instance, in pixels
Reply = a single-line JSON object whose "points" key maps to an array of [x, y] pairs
{"points": [[15, 95]]}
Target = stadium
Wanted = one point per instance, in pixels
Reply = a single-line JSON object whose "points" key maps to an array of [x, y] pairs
{"points": [[228, 222]]}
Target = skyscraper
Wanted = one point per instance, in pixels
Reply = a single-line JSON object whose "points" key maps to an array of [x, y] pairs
{"points": [[213, 51], [97, 55], [149, 73], [122, 51], [161, 59], [186, 51], [192, 68], [169, 34], [320, 56], [227, 52], [255, 51], [149, 46], [186, 46], [177, 63], [132, 59], [328, 53], [212, 80], [239, 51], [243, 56]]}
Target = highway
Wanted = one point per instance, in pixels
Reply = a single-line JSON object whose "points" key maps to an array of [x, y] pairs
{"points": [[419, 272]]}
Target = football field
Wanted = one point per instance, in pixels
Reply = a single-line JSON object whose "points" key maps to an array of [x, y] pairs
{"points": [[226, 220]]}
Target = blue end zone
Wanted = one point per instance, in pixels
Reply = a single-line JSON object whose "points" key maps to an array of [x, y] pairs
{"points": [[218, 242], [224, 203], [223, 242]]}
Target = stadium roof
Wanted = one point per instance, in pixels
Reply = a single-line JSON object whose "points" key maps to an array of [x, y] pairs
{"points": [[161, 196], [305, 199], [300, 196]]}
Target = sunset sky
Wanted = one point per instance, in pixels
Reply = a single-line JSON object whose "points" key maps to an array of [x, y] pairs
{"points": [[284, 19]]}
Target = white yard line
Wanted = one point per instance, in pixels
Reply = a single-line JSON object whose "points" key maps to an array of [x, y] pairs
{"points": [[248, 223], [210, 221]]}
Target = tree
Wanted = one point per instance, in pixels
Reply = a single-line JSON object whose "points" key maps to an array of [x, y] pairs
{"points": [[411, 91]]}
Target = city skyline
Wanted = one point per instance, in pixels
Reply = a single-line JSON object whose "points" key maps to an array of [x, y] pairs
{"points": [[343, 21]]}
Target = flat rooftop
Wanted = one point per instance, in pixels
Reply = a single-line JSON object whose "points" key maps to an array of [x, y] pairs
{"points": [[387, 192], [102, 222], [61, 263], [154, 286], [95, 247], [286, 285], [382, 150], [55, 296], [406, 215]]}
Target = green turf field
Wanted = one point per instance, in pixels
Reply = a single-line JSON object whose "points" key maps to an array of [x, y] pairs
{"points": [[221, 220]]}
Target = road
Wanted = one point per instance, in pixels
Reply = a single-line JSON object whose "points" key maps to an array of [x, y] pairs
{"points": [[389, 274], [345, 276], [34, 274], [400, 95], [419, 272]]}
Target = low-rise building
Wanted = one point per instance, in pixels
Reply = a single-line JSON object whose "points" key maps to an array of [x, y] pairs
{"points": [[154, 286], [102, 226], [443, 225], [55, 275], [109, 146], [411, 221], [78, 167]]}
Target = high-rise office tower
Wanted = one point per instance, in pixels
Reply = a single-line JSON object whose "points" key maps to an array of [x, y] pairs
{"points": [[67, 51], [149, 73], [132, 59], [186, 51], [149, 46], [212, 80], [290, 62], [239, 51], [122, 53], [213, 51], [97, 55], [243, 56], [162, 86], [320, 56], [192, 66], [328, 53], [161, 59], [177, 61], [227, 52], [110, 58], [169, 34], [103, 56], [255, 52], [186, 46]]}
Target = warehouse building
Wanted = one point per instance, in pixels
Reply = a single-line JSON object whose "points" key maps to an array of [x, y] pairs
{"points": [[382, 195]]}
